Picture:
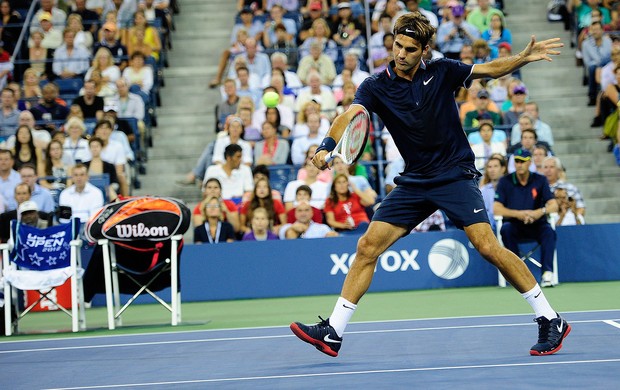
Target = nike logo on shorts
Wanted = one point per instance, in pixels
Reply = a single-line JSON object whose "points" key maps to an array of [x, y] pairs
{"points": [[476, 211], [329, 340], [425, 82]]}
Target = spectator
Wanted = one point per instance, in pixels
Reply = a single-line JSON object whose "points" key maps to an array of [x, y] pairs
{"points": [[258, 63], [567, 210], [529, 139], [470, 103], [524, 199], [320, 33], [382, 55], [104, 63], [453, 34], [319, 62], [414, 5], [122, 131], [25, 151], [230, 211], [215, 229], [316, 91], [498, 89], [304, 194], [246, 83], [347, 30], [83, 38], [52, 36], [278, 82], [228, 106], [250, 133], [83, 198], [96, 166], [596, 52], [39, 55], [21, 195], [150, 37], [384, 27], [538, 156], [315, 12], [249, 23], [236, 178], [89, 102], [124, 9], [235, 49], [392, 8], [279, 61], [259, 227], [235, 136], [9, 115], [517, 105], [90, 18], [583, 12], [303, 226], [543, 130], [351, 63], [345, 208], [9, 178], [113, 152], [48, 13], [11, 20], [494, 169], [262, 197], [481, 112], [276, 14], [285, 113], [75, 147], [302, 143], [41, 196], [28, 214], [130, 105], [481, 16], [140, 75], [326, 175], [484, 150], [49, 109], [320, 190], [54, 171], [110, 41], [357, 182], [556, 176], [482, 51], [496, 34], [283, 44], [41, 137], [271, 150]]}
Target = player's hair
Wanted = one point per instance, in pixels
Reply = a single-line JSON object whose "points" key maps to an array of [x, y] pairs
{"points": [[416, 26]]}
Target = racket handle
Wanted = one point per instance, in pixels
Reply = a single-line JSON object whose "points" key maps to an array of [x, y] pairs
{"points": [[330, 157]]}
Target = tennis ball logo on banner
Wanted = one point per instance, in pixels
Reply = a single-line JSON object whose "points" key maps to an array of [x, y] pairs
{"points": [[448, 259]]}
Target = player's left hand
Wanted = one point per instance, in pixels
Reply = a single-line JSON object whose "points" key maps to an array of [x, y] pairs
{"points": [[536, 51]]}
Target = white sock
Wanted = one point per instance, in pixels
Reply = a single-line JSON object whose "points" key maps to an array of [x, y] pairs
{"points": [[536, 298], [343, 311]]}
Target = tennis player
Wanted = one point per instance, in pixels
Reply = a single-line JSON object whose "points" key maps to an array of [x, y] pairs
{"points": [[415, 100]]}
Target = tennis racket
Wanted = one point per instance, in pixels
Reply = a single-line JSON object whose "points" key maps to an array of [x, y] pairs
{"points": [[353, 140]]}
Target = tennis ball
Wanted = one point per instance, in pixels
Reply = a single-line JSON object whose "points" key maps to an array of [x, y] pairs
{"points": [[271, 99]]}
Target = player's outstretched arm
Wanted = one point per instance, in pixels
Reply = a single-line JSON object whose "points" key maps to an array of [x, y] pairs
{"points": [[335, 131], [534, 51]]}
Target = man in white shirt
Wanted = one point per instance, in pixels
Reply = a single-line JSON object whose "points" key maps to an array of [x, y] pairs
{"points": [[236, 178], [304, 226], [83, 198]]}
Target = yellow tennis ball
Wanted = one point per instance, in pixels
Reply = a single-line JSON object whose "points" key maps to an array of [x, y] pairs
{"points": [[271, 99]]}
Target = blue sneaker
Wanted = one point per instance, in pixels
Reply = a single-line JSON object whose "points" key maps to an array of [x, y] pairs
{"points": [[322, 335], [551, 333]]}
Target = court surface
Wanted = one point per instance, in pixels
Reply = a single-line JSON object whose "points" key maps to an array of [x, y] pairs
{"points": [[463, 353]]}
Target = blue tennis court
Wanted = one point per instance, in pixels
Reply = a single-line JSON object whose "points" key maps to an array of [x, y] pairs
{"points": [[463, 352]]}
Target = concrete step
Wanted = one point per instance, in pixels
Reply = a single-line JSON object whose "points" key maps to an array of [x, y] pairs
{"points": [[579, 146], [603, 206]]}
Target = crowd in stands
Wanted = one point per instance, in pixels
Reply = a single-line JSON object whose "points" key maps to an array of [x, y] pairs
{"points": [[79, 83], [315, 54]]}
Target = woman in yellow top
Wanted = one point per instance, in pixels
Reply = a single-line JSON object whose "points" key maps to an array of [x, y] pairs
{"points": [[151, 35]]}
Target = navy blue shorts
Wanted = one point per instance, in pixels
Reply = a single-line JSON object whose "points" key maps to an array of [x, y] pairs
{"points": [[411, 204]]}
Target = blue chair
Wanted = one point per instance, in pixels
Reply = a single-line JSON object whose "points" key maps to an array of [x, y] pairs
{"points": [[281, 175], [102, 182]]}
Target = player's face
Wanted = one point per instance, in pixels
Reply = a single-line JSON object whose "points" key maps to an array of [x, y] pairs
{"points": [[407, 54]]}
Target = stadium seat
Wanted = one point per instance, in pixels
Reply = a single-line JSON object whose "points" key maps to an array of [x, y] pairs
{"points": [[281, 175], [42, 260]]}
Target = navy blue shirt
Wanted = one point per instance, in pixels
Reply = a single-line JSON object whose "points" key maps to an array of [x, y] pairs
{"points": [[422, 117], [531, 196]]}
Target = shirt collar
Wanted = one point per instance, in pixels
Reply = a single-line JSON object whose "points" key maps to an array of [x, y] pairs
{"points": [[392, 74]]}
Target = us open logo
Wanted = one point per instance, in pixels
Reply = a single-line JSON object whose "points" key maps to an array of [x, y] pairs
{"points": [[448, 259]]}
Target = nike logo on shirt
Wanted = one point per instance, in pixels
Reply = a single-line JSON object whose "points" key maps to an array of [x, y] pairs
{"points": [[425, 82], [329, 340], [476, 211]]}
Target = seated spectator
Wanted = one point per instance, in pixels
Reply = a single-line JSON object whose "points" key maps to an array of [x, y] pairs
{"points": [[303, 226], [55, 171], [596, 52], [52, 36], [215, 229], [253, 26], [237, 47], [259, 227], [142, 34], [524, 199], [250, 133], [433, 223], [311, 12], [482, 15], [256, 61], [32, 87], [111, 41], [272, 116], [9, 115], [496, 34], [89, 102], [494, 169], [567, 210], [345, 209], [39, 55], [301, 144], [230, 212], [538, 156], [130, 105], [320, 190], [83, 37], [9, 178], [70, 61], [319, 34], [102, 89], [275, 18], [528, 142], [96, 166], [304, 194], [83, 198], [235, 136], [381, 56], [49, 108], [28, 214], [228, 106], [498, 89], [262, 197], [48, 12], [323, 96], [384, 26], [484, 150], [392, 8], [357, 182], [41, 196], [526, 121], [347, 30], [113, 152], [423, 7], [326, 175], [481, 112], [482, 51], [456, 32], [543, 130], [516, 103], [140, 75], [470, 103], [41, 137], [12, 22], [284, 43], [246, 83], [262, 172], [352, 64], [556, 176], [319, 62], [301, 126], [279, 61], [279, 84], [272, 150], [236, 178], [287, 117], [88, 17], [121, 130], [22, 193], [104, 63], [24, 151]]}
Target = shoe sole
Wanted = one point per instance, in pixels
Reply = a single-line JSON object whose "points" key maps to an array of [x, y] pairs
{"points": [[318, 344], [556, 349]]}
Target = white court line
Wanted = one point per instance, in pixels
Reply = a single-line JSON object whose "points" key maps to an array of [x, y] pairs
{"points": [[327, 374], [245, 338], [83, 337], [612, 323]]}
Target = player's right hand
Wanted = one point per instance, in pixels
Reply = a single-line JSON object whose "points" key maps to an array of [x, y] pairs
{"points": [[319, 159]]}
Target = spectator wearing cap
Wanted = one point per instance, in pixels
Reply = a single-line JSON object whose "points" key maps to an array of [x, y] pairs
{"points": [[314, 11], [21, 195], [316, 91], [456, 32], [481, 16], [110, 41], [28, 214], [70, 61], [48, 12], [481, 113], [52, 35], [515, 105], [524, 199]]}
